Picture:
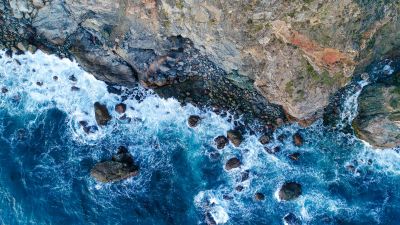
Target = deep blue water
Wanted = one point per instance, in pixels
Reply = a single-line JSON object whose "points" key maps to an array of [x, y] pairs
{"points": [[45, 161]]}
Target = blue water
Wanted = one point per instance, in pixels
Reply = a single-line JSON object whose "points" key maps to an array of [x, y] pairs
{"points": [[45, 161]]}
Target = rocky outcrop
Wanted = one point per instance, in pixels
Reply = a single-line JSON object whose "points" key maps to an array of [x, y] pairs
{"points": [[120, 167], [101, 114], [378, 119], [291, 53]]}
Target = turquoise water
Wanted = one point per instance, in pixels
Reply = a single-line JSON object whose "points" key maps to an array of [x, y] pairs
{"points": [[46, 157]]}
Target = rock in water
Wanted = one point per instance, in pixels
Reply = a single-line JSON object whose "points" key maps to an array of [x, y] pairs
{"points": [[289, 191], [259, 196], [120, 167], [101, 113], [298, 139], [235, 136], [264, 139], [378, 116], [221, 141], [291, 219], [193, 120], [120, 108], [232, 163]]}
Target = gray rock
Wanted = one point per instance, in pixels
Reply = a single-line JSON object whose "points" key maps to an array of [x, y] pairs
{"points": [[221, 141], [378, 116], [232, 163], [289, 191], [235, 136], [193, 120], [101, 113]]}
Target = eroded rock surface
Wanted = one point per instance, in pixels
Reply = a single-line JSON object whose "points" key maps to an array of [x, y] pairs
{"points": [[293, 53], [378, 119]]}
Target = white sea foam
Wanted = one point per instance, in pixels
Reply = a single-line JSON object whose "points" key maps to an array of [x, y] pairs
{"points": [[153, 117]]}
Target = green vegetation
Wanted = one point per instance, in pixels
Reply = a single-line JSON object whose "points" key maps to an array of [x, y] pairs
{"points": [[179, 4], [289, 87]]}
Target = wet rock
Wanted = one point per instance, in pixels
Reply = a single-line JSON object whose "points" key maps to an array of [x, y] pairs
{"points": [[282, 137], [272, 150], [209, 219], [101, 113], [259, 196], [193, 120], [351, 168], [74, 88], [4, 90], [235, 136], [294, 156], [88, 129], [298, 139], [120, 108], [120, 167], [245, 175], [221, 141], [55, 78], [291, 219], [264, 139], [378, 117], [9, 53], [72, 78], [227, 197], [232, 163], [239, 188], [289, 191]]}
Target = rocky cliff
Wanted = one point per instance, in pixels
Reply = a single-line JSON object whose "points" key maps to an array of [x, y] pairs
{"points": [[291, 53]]}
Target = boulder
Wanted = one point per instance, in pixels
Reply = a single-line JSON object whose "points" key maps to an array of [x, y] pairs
{"points": [[193, 120], [298, 139], [4, 90], [120, 108], [120, 167], [232, 163], [221, 141], [294, 156], [259, 196], [289, 191], [291, 219], [378, 116], [101, 113], [264, 139], [235, 136]]}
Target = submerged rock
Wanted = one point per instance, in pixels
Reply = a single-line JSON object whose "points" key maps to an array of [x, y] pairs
{"points": [[378, 116], [101, 113], [4, 90], [289, 191], [193, 120], [235, 136], [120, 108], [232, 163], [291, 219], [294, 156], [120, 167], [298, 139], [264, 139], [259, 196], [221, 141]]}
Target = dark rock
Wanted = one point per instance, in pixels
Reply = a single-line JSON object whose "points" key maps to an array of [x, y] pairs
{"points": [[120, 108], [72, 78], [273, 150], [289, 191], [209, 219], [245, 175], [74, 88], [55, 78], [39, 83], [239, 188], [298, 139], [227, 197], [9, 53], [221, 141], [282, 137], [235, 136], [4, 90], [259, 196], [294, 156], [232, 163], [120, 167], [291, 219], [193, 120], [101, 113], [88, 129], [264, 139]]}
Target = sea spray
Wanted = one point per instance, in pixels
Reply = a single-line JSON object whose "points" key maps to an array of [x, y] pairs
{"points": [[46, 158]]}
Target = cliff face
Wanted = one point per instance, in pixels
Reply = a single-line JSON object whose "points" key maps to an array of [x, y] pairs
{"points": [[295, 53]]}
